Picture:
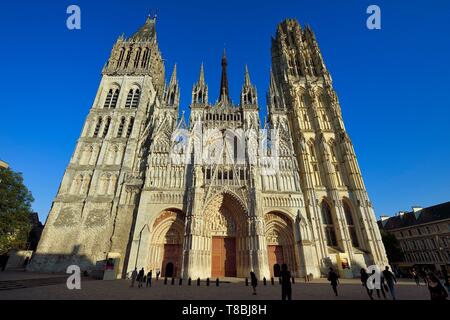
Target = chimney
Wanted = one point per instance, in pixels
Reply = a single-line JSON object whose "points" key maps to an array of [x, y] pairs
{"points": [[384, 219], [401, 214]]}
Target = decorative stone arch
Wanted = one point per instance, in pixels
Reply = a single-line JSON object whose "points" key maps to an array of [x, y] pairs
{"points": [[329, 221], [226, 232], [231, 194], [351, 221], [280, 239], [166, 243]]}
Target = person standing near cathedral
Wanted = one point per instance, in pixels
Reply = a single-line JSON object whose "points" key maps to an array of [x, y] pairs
{"points": [[415, 276], [390, 279], [149, 279], [437, 290], [286, 288], [334, 280], [254, 282], [141, 277], [134, 275], [364, 279]]}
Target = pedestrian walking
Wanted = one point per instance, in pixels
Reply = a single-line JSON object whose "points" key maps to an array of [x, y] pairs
{"points": [[334, 280], [157, 275], [415, 276], [364, 279], [390, 279], [286, 287], [437, 290], [134, 275], [140, 278], [382, 286], [254, 282], [149, 279]]}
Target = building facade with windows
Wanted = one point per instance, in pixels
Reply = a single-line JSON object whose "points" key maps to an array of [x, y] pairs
{"points": [[141, 188], [423, 235]]}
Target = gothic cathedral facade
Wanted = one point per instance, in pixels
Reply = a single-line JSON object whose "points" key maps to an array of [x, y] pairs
{"points": [[126, 195]]}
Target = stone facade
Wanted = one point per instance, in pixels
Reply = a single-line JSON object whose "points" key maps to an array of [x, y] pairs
{"points": [[138, 186]]}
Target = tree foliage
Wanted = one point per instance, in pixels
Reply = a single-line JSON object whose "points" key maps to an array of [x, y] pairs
{"points": [[15, 211], [392, 246]]}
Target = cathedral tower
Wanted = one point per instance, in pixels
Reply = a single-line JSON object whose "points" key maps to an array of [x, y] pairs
{"points": [[338, 208], [93, 212]]}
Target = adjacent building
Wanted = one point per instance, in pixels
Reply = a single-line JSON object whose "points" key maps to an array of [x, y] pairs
{"points": [[423, 235], [219, 194]]}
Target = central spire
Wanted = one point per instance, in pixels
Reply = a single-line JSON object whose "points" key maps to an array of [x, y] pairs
{"points": [[224, 95]]}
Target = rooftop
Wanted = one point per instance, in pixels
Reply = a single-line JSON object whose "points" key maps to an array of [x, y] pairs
{"points": [[417, 217]]}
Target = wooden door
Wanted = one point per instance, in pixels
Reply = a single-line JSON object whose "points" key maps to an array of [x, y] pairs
{"points": [[276, 259], [223, 257], [172, 255]]}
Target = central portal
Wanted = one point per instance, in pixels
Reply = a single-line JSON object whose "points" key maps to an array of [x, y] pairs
{"points": [[223, 255], [227, 240]]}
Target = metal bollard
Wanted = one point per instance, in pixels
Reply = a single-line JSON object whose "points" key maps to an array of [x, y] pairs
{"points": [[189, 281], [265, 281], [207, 282], [173, 281], [272, 280], [217, 282], [198, 281], [180, 282], [165, 280], [246, 282]]}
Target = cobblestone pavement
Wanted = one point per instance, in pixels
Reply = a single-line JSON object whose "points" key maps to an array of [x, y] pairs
{"points": [[236, 290]]}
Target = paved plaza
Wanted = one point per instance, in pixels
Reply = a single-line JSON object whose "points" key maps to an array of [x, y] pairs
{"points": [[50, 286]]}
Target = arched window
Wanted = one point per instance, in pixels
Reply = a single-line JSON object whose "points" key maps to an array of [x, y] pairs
{"points": [[328, 225], [121, 55], [111, 98], [130, 127], [136, 97], [115, 97], [145, 58], [137, 58], [129, 98], [106, 129], [108, 99], [121, 126], [97, 127], [127, 60], [133, 98], [350, 224]]}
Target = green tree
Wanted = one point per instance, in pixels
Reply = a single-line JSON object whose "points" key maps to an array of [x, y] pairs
{"points": [[393, 250], [15, 210]]}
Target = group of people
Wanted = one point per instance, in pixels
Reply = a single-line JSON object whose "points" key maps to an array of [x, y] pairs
{"points": [[386, 284], [439, 290], [143, 278], [285, 277], [388, 281]]}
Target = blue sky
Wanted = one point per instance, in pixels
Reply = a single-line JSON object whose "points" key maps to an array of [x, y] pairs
{"points": [[393, 84]]}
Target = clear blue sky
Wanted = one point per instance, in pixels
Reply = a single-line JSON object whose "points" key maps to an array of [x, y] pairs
{"points": [[393, 84]]}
